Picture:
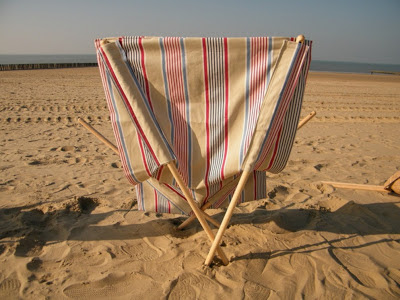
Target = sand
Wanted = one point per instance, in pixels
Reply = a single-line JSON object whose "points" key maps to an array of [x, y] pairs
{"points": [[70, 228]]}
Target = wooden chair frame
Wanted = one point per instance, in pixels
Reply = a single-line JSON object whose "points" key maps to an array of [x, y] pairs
{"points": [[198, 212]]}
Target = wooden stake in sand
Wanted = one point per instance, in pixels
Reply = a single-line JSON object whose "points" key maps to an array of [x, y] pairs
{"points": [[98, 135], [197, 211], [392, 185], [355, 186], [225, 222], [306, 119]]}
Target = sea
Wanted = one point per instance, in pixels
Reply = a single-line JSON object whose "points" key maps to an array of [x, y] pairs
{"points": [[316, 65]]}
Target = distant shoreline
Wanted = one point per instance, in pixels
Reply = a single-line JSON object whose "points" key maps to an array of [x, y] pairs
{"points": [[316, 65], [49, 66]]}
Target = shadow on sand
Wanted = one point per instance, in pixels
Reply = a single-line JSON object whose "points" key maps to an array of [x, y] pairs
{"points": [[33, 228]]}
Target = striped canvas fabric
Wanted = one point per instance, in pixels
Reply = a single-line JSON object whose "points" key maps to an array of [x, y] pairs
{"points": [[214, 106]]}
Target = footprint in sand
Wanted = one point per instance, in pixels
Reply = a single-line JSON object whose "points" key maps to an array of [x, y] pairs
{"points": [[191, 286], [360, 267], [182, 291], [92, 258], [255, 291], [114, 285], [9, 288], [140, 251], [192, 260]]}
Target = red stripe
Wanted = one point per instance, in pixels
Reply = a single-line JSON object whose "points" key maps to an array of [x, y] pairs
{"points": [[174, 190], [177, 97], [275, 149], [226, 107], [146, 82], [257, 82], [159, 172], [129, 107], [207, 117]]}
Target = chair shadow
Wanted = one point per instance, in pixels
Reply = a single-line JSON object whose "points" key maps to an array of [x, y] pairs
{"points": [[351, 218], [35, 228]]}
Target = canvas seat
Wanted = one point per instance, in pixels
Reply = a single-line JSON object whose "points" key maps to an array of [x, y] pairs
{"points": [[199, 121]]}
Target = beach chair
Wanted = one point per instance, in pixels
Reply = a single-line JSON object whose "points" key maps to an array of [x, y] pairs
{"points": [[199, 121]]}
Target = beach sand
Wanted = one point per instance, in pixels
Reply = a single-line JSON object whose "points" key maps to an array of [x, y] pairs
{"points": [[70, 228]]}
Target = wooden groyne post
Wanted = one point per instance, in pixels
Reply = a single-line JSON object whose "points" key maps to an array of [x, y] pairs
{"points": [[12, 67], [385, 72]]}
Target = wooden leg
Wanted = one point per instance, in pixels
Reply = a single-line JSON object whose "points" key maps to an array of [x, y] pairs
{"points": [[306, 119], [98, 135], [227, 217], [300, 39], [211, 220], [193, 217], [197, 211], [354, 186]]}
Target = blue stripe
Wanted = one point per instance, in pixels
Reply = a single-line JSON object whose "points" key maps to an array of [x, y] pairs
{"points": [[246, 113], [166, 88], [189, 130], [118, 123], [280, 98], [144, 98], [140, 186], [243, 196]]}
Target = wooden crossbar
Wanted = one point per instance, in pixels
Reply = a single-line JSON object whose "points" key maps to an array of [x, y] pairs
{"points": [[355, 186], [98, 135]]}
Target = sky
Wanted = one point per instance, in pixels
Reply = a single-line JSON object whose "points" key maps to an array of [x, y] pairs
{"points": [[341, 30]]}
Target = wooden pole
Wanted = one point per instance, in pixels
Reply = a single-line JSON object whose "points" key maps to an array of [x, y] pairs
{"points": [[193, 217], [227, 217], [99, 135], [306, 119], [300, 38], [211, 219], [354, 186], [197, 211]]}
